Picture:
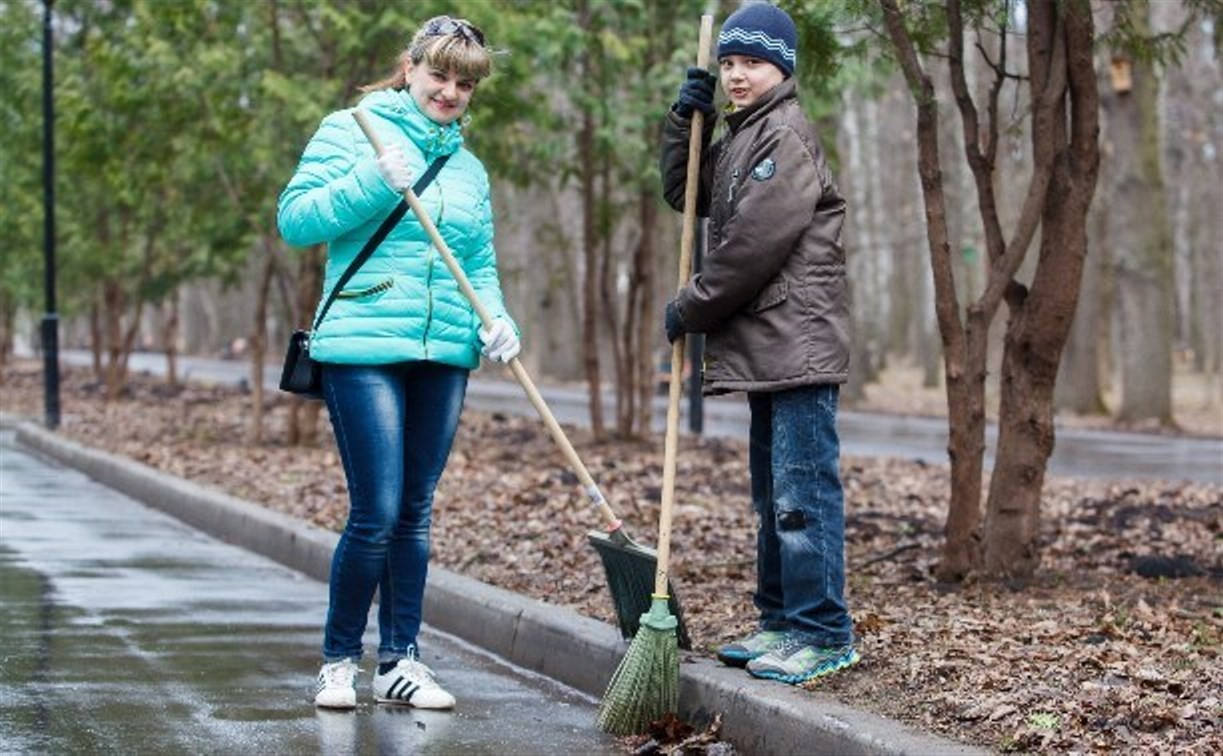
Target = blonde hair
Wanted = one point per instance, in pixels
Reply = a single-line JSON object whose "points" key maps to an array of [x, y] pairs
{"points": [[456, 52]]}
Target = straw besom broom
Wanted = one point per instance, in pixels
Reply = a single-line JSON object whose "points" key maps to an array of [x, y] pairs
{"points": [[645, 686]]}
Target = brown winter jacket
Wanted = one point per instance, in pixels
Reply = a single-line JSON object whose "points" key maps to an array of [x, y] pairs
{"points": [[771, 295]]}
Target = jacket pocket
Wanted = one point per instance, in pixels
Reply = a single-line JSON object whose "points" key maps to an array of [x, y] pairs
{"points": [[773, 295], [368, 291]]}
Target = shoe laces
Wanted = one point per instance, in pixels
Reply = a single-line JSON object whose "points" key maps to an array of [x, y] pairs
{"points": [[341, 673], [789, 645], [419, 670]]}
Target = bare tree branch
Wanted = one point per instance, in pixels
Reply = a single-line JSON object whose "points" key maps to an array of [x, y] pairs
{"points": [[946, 300], [1047, 53], [999, 68], [982, 168], [991, 148]]}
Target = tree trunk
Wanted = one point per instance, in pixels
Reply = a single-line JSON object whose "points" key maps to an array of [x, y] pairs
{"points": [[1025, 441], [965, 449], [861, 248], [259, 346], [116, 297], [169, 339], [626, 413], [8, 316], [95, 339], [1191, 163], [1143, 248], [961, 350], [303, 415], [887, 238], [1040, 318], [114, 300], [129, 342], [1082, 375], [925, 336], [643, 286], [1205, 223], [609, 305], [1078, 379], [1206, 331], [590, 280], [590, 250]]}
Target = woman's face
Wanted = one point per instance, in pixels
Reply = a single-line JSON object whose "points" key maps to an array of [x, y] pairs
{"points": [[443, 96], [745, 79]]}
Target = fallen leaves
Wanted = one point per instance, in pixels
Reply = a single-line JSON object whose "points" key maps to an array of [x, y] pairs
{"points": [[671, 736]]}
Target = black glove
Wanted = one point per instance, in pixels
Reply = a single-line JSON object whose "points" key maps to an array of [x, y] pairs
{"points": [[672, 322], [696, 93]]}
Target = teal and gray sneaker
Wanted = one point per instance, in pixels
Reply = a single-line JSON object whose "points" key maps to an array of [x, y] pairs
{"points": [[757, 644], [795, 662]]}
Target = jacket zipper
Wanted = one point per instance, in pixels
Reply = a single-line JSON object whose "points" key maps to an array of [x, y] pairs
{"points": [[424, 339], [429, 277]]}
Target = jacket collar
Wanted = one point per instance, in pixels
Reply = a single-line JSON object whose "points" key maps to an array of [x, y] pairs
{"points": [[398, 106], [786, 90]]}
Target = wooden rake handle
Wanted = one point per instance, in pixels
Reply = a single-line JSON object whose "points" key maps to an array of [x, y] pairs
{"points": [[516, 367], [687, 238]]}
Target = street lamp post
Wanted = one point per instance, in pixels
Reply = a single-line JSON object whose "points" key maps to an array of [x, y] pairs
{"points": [[50, 320]]}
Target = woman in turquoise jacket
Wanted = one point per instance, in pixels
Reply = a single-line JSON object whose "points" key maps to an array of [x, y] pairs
{"points": [[398, 342]]}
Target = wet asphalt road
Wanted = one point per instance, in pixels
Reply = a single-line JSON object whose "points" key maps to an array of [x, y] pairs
{"points": [[1078, 452], [125, 631]]}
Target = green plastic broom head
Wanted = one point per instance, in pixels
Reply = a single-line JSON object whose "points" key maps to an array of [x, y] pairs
{"points": [[645, 687]]}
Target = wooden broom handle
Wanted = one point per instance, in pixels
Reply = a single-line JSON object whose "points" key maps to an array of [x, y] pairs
{"points": [[520, 372], [687, 238]]}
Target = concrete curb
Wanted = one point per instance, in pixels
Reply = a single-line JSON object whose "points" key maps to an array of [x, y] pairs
{"points": [[759, 717]]}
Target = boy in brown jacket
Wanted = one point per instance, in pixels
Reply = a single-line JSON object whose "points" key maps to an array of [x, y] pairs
{"points": [[771, 301]]}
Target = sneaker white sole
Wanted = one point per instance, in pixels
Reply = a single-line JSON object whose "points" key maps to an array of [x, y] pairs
{"points": [[416, 699], [439, 706], [835, 665]]}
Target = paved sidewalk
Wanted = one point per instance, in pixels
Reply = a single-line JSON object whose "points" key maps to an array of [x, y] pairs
{"points": [[759, 717], [126, 631]]}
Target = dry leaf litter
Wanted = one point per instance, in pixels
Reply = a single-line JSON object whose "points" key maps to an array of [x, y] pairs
{"points": [[1088, 657]]}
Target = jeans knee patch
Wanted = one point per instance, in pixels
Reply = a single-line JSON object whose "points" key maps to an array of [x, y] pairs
{"points": [[794, 519]]}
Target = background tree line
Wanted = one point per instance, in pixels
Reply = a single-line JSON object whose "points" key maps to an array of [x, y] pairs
{"points": [[179, 122]]}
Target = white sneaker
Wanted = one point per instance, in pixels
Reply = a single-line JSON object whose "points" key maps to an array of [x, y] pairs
{"points": [[337, 685], [411, 682]]}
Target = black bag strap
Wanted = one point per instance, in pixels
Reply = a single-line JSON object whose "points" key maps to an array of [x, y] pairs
{"points": [[391, 220]]}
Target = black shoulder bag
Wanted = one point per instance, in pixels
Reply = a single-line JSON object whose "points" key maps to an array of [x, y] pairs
{"points": [[303, 376]]}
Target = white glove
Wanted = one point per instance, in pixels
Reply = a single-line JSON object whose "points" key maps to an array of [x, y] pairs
{"points": [[393, 167], [500, 342]]}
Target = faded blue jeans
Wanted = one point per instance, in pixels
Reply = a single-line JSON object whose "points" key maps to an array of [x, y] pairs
{"points": [[394, 426], [796, 490]]}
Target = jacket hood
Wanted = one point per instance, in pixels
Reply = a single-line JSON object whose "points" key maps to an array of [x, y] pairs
{"points": [[399, 106]]}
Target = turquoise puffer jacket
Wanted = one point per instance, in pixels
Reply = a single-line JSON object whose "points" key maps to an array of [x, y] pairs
{"points": [[402, 304]]}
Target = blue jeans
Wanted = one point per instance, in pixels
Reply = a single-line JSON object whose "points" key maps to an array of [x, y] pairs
{"points": [[394, 426], [796, 490]]}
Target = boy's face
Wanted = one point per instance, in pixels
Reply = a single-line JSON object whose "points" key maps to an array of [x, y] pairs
{"points": [[745, 79]]}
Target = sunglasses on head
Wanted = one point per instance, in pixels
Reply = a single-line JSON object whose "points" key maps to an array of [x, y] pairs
{"points": [[445, 26]]}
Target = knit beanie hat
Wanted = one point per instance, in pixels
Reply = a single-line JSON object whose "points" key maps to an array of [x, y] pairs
{"points": [[761, 30]]}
